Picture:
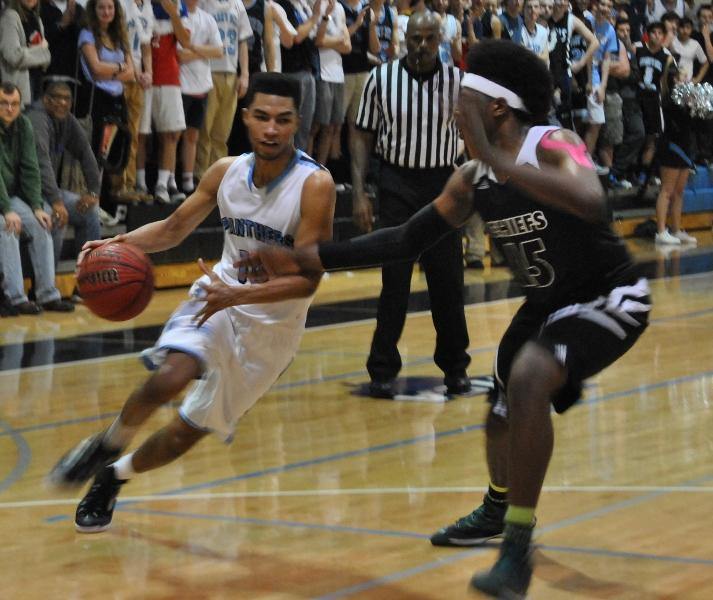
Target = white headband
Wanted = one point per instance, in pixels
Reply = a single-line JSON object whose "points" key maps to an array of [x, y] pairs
{"points": [[492, 89]]}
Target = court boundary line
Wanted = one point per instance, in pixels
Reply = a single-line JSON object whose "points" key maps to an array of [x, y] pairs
{"points": [[552, 489]]}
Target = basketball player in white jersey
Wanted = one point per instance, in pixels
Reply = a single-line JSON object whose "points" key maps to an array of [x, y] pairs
{"points": [[238, 346]]}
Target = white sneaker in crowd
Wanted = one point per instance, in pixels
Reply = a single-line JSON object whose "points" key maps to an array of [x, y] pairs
{"points": [[666, 238], [685, 238], [160, 192]]}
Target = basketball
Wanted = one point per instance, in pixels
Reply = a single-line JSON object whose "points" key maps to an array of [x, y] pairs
{"points": [[115, 281]]}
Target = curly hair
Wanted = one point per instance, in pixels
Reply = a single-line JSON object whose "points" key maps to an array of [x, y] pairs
{"points": [[518, 69], [117, 28]]}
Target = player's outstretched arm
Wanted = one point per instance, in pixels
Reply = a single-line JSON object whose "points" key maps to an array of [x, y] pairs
{"points": [[171, 231], [316, 217], [393, 244]]}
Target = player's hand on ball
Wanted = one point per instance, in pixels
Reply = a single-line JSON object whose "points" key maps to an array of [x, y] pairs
{"points": [[218, 295], [92, 244]]}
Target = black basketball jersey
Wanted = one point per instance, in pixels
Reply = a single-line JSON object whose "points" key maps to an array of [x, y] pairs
{"points": [[256, 16], [651, 66], [557, 258], [356, 61], [559, 38]]}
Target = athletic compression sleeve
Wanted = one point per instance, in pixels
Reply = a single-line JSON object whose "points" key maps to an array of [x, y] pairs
{"points": [[392, 244]]}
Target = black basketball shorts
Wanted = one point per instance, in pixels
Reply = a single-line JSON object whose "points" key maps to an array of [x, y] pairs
{"points": [[585, 338]]}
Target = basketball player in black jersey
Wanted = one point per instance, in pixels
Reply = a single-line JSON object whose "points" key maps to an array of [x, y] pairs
{"points": [[585, 305]]}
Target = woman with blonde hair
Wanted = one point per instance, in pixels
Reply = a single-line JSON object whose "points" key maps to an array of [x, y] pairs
{"points": [[24, 52]]}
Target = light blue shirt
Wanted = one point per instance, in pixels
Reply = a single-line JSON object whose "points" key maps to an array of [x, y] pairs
{"points": [[110, 86]]}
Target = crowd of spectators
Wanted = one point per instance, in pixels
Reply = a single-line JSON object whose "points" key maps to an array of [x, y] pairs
{"points": [[104, 84]]}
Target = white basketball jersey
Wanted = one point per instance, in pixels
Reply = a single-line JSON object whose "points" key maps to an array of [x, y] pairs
{"points": [[253, 217]]}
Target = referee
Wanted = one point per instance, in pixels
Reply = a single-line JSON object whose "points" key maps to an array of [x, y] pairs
{"points": [[407, 108]]}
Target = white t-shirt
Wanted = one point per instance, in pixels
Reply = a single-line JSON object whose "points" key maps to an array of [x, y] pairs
{"points": [[536, 42], [403, 24], [139, 26], [449, 31], [196, 75], [234, 27], [330, 61], [278, 14], [689, 52]]}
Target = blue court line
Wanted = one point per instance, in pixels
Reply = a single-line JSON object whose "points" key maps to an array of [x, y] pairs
{"points": [[24, 456]]}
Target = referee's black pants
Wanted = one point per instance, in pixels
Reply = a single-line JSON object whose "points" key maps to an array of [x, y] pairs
{"points": [[402, 192]]}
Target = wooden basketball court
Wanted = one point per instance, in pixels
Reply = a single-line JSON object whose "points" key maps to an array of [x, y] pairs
{"points": [[325, 494]]}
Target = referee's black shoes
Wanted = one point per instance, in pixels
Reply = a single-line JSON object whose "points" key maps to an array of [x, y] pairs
{"points": [[383, 389], [457, 383]]}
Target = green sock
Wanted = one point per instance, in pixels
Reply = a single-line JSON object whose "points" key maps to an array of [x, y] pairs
{"points": [[520, 515]]}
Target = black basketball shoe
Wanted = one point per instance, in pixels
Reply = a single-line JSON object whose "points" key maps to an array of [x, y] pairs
{"points": [[510, 576], [81, 463], [96, 509], [484, 523]]}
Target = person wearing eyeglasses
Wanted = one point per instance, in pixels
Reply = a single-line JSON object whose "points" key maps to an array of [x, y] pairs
{"points": [[58, 134], [23, 210]]}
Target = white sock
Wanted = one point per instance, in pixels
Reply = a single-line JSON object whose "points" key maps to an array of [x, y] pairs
{"points": [[119, 436], [172, 180], [188, 182], [163, 175], [141, 178], [123, 468]]}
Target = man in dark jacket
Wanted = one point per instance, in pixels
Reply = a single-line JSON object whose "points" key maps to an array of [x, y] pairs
{"points": [[58, 136]]}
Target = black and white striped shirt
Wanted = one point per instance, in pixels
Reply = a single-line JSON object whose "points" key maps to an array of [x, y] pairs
{"points": [[412, 117]]}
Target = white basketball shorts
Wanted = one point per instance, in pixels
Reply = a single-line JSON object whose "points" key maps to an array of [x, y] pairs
{"points": [[242, 359]]}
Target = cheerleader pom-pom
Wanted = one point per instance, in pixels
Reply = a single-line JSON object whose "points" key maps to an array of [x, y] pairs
{"points": [[696, 97]]}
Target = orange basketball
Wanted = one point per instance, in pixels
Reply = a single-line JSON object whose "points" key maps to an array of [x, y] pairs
{"points": [[115, 281]]}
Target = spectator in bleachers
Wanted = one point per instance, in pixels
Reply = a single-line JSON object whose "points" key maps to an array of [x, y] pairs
{"points": [[704, 127], [282, 34], [23, 210], [546, 9], [260, 56], [626, 154], [163, 105], [652, 60], [656, 9], [674, 157], [196, 82], [492, 27], [633, 11], [106, 64], [690, 51], [670, 22], [139, 27], [612, 132], [451, 48], [230, 74], [355, 64], [563, 25], [581, 82], [534, 36], [333, 41], [300, 61], [383, 26], [600, 76], [24, 51], [511, 21], [62, 27], [58, 135]]}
